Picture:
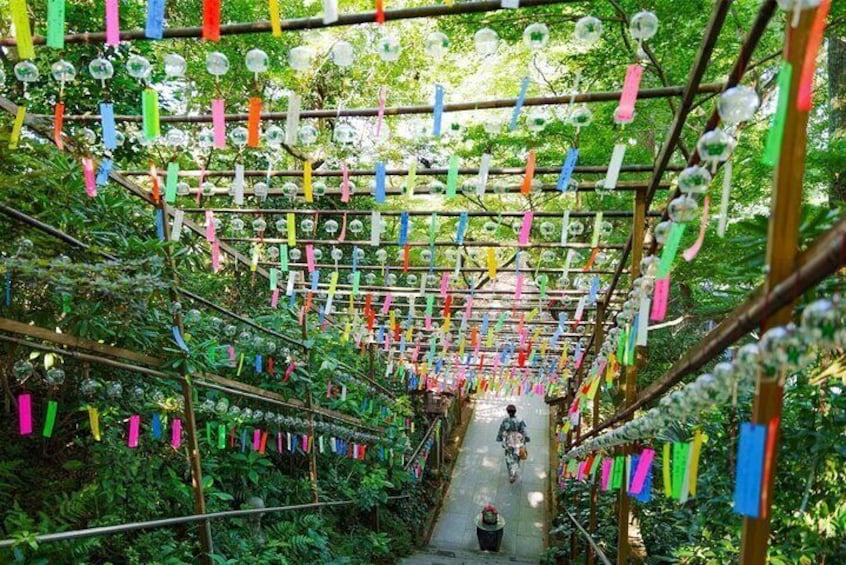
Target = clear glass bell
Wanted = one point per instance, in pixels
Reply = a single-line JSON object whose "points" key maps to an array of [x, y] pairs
{"points": [[644, 26], [662, 231], [547, 229], [715, 146], [330, 227], [436, 187], [183, 188], [486, 41], [176, 137], [411, 279], [26, 72], [257, 61], [174, 66], [63, 71], [295, 254], [344, 134], [307, 225], [436, 45], [388, 48], [536, 36], [575, 228], [537, 119], [738, 105], [342, 54], [588, 30], [101, 69], [217, 64], [205, 138], [138, 67], [356, 227], [337, 254], [307, 134], [290, 189], [683, 209], [259, 225], [208, 188], [694, 180], [581, 116], [281, 225], [274, 136], [239, 136], [300, 58]]}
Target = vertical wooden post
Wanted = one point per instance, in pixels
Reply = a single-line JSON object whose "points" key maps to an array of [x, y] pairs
{"points": [[196, 472], [206, 544], [312, 454], [782, 250], [638, 228], [598, 338]]}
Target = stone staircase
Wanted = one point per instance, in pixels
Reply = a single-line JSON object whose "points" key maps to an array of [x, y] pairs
{"points": [[446, 556]]}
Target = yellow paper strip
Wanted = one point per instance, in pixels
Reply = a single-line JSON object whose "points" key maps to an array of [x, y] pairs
{"points": [[255, 259], [17, 127], [309, 196], [94, 422], [447, 324], [346, 335], [23, 33], [491, 263], [292, 230], [461, 347], [333, 282], [693, 461], [409, 334], [275, 23], [668, 486]]}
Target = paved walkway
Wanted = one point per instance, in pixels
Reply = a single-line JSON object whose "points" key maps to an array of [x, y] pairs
{"points": [[480, 477]]}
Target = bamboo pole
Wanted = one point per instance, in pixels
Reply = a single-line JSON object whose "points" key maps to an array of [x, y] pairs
{"points": [[598, 339], [782, 254], [334, 113]]}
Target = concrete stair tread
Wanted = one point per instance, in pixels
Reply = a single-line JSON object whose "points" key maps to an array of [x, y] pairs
{"points": [[450, 556]]}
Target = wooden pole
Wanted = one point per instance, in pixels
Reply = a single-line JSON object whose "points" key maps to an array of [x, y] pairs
{"points": [[598, 338], [782, 254], [638, 228]]}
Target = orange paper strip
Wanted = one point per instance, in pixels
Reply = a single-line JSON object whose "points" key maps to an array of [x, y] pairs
{"points": [[253, 121], [58, 119], [526, 188]]}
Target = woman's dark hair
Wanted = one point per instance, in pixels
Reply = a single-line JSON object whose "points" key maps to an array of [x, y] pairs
{"points": [[511, 409]]}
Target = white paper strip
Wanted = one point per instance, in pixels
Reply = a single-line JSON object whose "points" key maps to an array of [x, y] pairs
{"points": [[483, 174], [643, 320], [292, 124], [292, 277], [510, 4], [580, 309], [565, 227], [568, 260], [614, 166], [457, 265], [375, 228], [238, 185], [176, 230], [330, 11]]}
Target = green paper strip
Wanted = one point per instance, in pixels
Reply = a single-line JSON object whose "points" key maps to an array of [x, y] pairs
{"points": [[208, 433], [211, 354], [597, 226], [596, 461], [501, 321], [150, 114], [772, 150], [543, 281], [433, 229], [680, 453], [671, 249], [356, 282], [617, 476], [283, 258], [50, 418], [274, 278], [66, 303], [56, 24], [621, 346], [452, 177], [170, 184], [430, 304], [221, 436]]}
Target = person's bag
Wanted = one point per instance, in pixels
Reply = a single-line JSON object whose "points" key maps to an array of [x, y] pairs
{"points": [[523, 453]]}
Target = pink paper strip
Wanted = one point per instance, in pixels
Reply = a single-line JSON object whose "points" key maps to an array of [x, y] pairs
{"points": [[134, 430], [415, 353], [444, 284], [274, 298], [278, 442], [310, 257], [88, 173], [112, 23], [290, 369], [693, 250], [256, 439], [218, 123], [518, 287], [215, 249], [343, 233], [659, 299], [496, 362], [25, 413], [526, 229], [468, 307], [606, 473], [625, 111], [304, 443], [231, 351], [210, 232], [428, 322], [386, 306], [383, 94], [176, 433], [345, 182], [643, 466], [523, 335]]}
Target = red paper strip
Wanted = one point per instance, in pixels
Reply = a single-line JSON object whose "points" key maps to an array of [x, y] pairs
{"points": [[659, 299], [769, 454], [211, 20], [625, 111], [691, 252], [253, 122], [804, 97], [380, 11], [58, 120], [406, 258], [528, 177], [154, 181]]}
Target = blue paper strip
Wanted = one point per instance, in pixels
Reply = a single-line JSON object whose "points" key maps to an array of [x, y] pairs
{"points": [[321, 315], [485, 325], [292, 300], [402, 345], [177, 337], [380, 183], [524, 87], [315, 278], [103, 172], [567, 169], [462, 227], [107, 123], [594, 289], [258, 363], [8, 290], [562, 320], [244, 439], [403, 232], [157, 426], [160, 224], [750, 469], [355, 259], [155, 19], [438, 110]]}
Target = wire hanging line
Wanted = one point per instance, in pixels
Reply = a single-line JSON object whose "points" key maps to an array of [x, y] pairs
{"points": [[334, 113]]}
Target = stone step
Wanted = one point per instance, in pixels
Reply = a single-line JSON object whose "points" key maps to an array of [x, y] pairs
{"points": [[448, 556]]}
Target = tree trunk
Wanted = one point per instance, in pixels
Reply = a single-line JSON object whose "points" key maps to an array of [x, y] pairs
{"points": [[837, 111]]}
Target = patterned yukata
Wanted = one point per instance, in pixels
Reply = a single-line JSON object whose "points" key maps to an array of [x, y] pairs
{"points": [[513, 432]]}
